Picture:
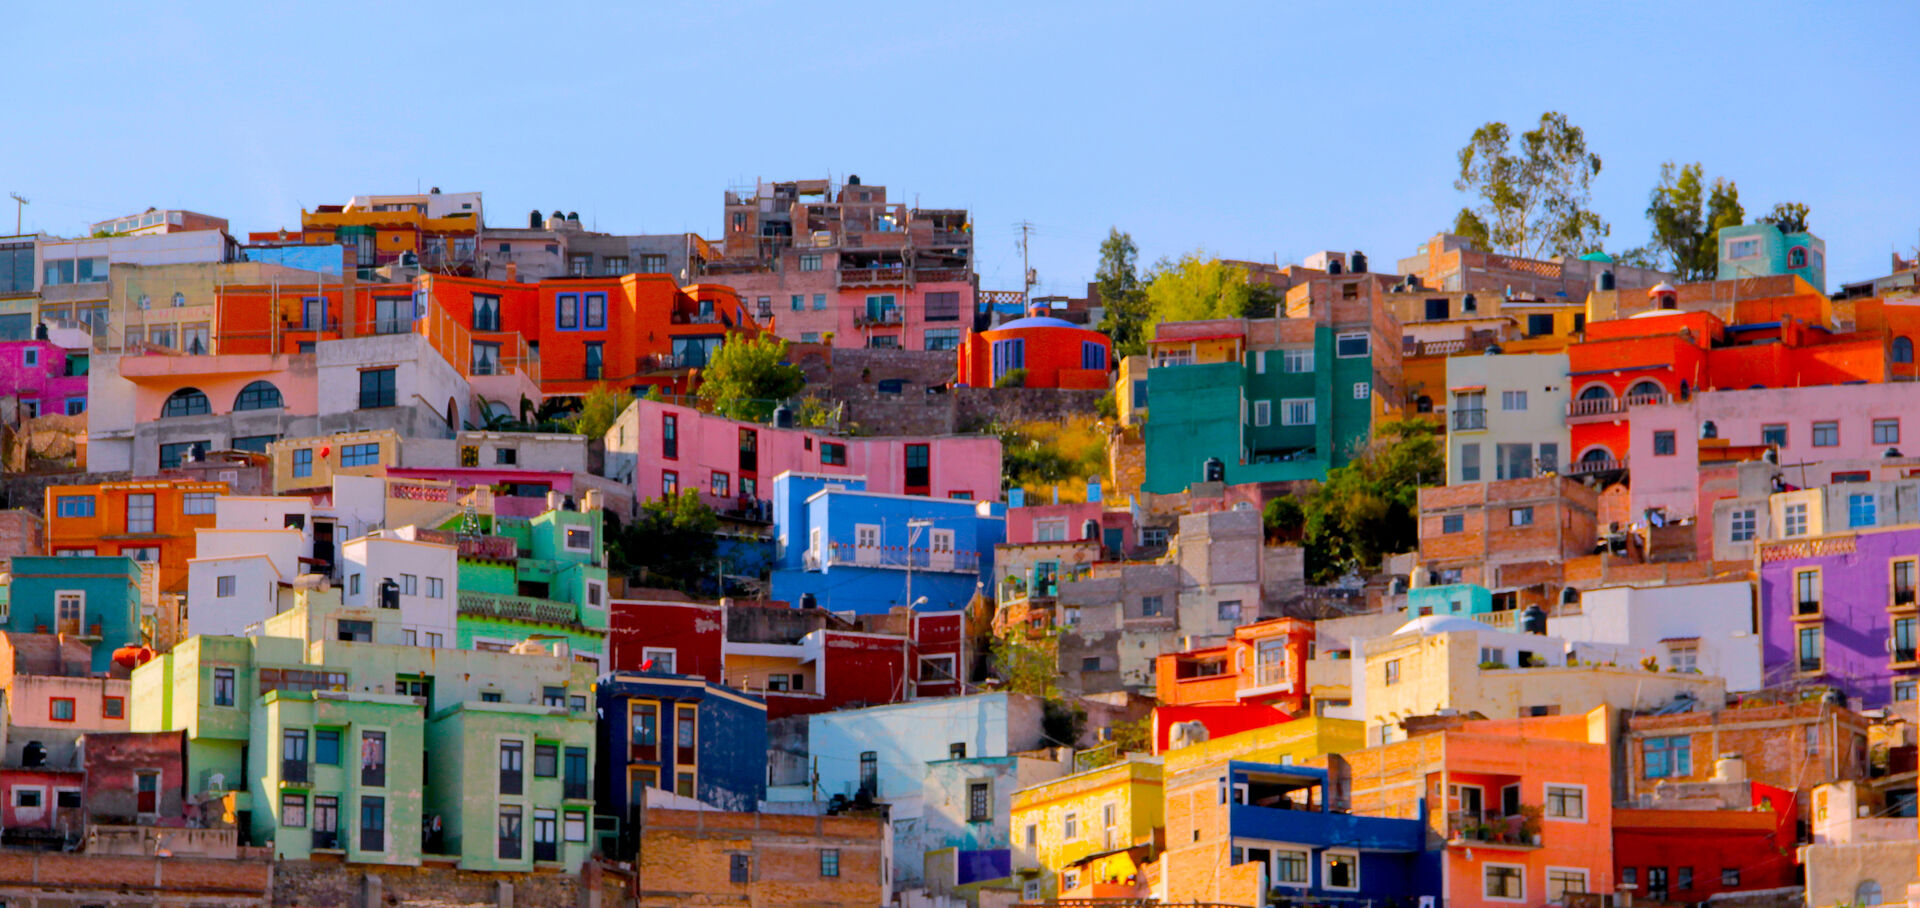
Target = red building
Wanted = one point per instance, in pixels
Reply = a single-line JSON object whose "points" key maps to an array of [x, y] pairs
{"points": [[1054, 353], [1729, 837], [1256, 679]]}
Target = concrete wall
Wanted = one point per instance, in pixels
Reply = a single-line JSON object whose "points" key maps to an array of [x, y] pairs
{"points": [[1540, 420], [1836, 873], [1721, 619]]}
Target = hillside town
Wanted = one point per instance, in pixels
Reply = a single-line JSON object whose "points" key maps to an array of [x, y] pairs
{"points": [[798, 564]]}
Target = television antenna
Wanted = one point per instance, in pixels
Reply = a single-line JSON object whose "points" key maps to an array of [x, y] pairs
{"points": [[20, 202]]}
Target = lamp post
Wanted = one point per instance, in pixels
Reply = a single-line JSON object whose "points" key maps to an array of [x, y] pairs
{"points": [[914, 526]]}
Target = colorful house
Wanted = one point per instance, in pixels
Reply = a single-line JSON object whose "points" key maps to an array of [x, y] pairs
{"points": [[55, 704], [1053, 353], [150, 521], [965, 828], [680, 734], [554, 583], [1839, 609], [433, 231], [1763, 250], [1694, 842], [1506, 416], [1259, 677], [96, 600], [45, 377], [1059, 823], [844, 548]]}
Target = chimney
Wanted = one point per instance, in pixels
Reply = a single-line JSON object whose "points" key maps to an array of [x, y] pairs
{"points": [[513, 273]]}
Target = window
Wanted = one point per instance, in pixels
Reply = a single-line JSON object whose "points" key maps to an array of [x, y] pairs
{"points": [[61, 709], [1538, 324], [506, 456], [1290, 868], [73, 506], [1903, 581], [1296, 411], [1566, 802], [1729, 877], [373, 758], [1070, 827], [1905, 689], [1902, 350], [1513, 400], [113, 708], [1453, 523], [377, 388], [223, 687], [76, 406], [197, 503], [810, 262], [1806, 588], [576, 826], [918, 467], [720, 483], [509, 833], [1796, 522], [1296, 361], [833, 454], [1774, 434], [1392, 672], [1742, 248], [1350, 345], [595, 360], [512, 766], [1861, 510], [1668, 757], [669, 483], [186, 402], [1262, 412], [174, 454], [944, 306], [1886, 431], [361, 455], [1229, 610], [293, 810], [1812, 649], [223, 586], [1470, 462], [1520, 517], [1657, 883], [1092, 356], [739, 867], [1683, 656], [259, 395], [819, 302], [1663, 443], [1743, 525], [1561, 882], [1504, 882], [1826, 434], [326, 746], [1340, 870], [979, 802], [830, 862], [436, 588], [302, 462], [354, 631], [255, 443]]}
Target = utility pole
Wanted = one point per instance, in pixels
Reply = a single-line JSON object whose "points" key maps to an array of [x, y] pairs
{"points": [[1026, 270], [20, 202]]}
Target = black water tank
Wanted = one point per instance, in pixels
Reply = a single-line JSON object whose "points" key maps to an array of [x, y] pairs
{"points": [[1604, 280], [533, 220], [807, 601], [783, 417], [389, 593], [1213, 470], [1333, 267], [573, 216], [1533, 621], [40, 331], [1469, 304], [1357, 262], [853, 180], [1090, 530]]}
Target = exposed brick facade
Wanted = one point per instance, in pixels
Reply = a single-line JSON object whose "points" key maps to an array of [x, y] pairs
{"points": [[687, 859]]}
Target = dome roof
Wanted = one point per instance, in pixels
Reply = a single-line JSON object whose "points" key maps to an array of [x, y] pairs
{"points": [[1039, 321], [1597, 257], [1662, 287], [1440, 624]]}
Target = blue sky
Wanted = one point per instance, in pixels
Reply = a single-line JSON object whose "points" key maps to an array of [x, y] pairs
{"points": [[1257, 130]]}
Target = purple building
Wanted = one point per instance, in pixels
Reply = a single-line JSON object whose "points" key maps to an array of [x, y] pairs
{"points": [[43, 377], [1840, 609]]}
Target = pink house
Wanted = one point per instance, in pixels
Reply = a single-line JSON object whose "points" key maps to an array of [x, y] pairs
{"points": [[659, 448], [1812, 427], [1075, 522], [44, 378]]}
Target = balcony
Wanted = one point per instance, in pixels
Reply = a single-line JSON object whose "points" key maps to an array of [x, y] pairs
{"points": [[1271, 674], [1600, 409], [517, 608], [1807, 608], [1903, 598], [475, 546], [327, 840], [1601, 465], [294, 772], [872, 277], [1808, 666], [1905, 654], [1470, 419], [941, 275], [576, 790], [1520, 831], [883, 318], [893, 556]]}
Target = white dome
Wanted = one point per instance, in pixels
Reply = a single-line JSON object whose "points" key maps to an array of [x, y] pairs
{"points": [[1439, 624]]}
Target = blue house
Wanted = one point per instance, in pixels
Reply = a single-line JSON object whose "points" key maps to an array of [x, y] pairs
{"points": [[1279, 816], [852, 550], [1763, 250], [681, 734], [94, 599], [1465, 599]]}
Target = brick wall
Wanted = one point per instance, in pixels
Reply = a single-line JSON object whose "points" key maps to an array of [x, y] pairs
{"points": [[20, 533], [45, 878], [326, 883], [686, 859]]}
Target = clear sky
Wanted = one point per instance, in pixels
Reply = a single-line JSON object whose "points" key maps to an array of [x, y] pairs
{"points": [[1260, 130]]}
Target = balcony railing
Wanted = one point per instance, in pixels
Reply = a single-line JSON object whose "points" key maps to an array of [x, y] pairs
{"points": [[576, 790], [518, 608], [1607, 406], [1903, 655], [1268, 674], [1470, 419], [1903, 596], [1604, 465], [473, 545], [1810, 665], [1520, 830], [893, 556], [859, 277], [326, 839], [941, 275], [1807, 607], [293, 771], [882, 318]]}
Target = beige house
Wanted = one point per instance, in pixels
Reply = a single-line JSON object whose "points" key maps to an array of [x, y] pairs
{"points": [[1506, 416]]}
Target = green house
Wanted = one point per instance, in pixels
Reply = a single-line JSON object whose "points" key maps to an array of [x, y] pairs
{"points": [[555, 585], [513, 784], [339, 772]]}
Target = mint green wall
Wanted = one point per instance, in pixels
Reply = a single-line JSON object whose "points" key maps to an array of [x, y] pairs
{"points": [[487, 577], [399, 717], [472, 628], [463, 745]]}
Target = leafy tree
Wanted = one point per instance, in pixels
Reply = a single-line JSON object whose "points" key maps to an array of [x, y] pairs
{"points": [[1012, 378], [1687, 216], [1283, 517], [1026, 667], [747, 377], [1790, 217], [1121, 294], [1198, 286], [1534, 202], [1367, 508], [598, 410], [1468, 225], [671, 542]]}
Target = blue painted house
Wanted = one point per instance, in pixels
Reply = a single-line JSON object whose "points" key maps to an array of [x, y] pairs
{"points": [[1763, 250], [1464, 599], [865, 552], [681, 734], [94, 599], [1278, 818]]}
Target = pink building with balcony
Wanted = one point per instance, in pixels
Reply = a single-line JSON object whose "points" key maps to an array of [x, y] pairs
{"points": [[1812, 428], [1088, 521], [660, 448], [44, 378]]}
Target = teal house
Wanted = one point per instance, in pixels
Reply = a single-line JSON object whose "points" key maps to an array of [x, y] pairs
{"points": [[1463, 599], [1271, 399], [545, 575], [95, 599], [1763, 250]]}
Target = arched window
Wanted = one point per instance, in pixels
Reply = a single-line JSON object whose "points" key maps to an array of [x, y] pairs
{"points": [[179, 299], [1797, 257], [260, 395], [186, 402], [1596, 455], [1867, 894], [1903, 349], [146, 302], [1597, 392], [1423, 404], [1647, 388]]}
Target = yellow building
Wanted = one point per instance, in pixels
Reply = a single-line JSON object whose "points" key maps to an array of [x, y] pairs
{"points": [[1130, 390], [311, 463], [1287, 742], [1064, 821]]}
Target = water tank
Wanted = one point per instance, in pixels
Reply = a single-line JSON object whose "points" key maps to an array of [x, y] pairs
{"points": [[533, 220], [1357, 262], [1090, 530], [573, 216], [1603, 280], [1533, 621], [1333, 266], [1094, 493], [807, 601], [40, 331], [1016, 498], [1709, 430], [1213, 470], [1731, 767], [783, 417], [853, 180], [1569, 596], [1469, 304]]}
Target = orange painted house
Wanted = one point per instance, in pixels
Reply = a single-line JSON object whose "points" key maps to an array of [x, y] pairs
{"points": [[1055, 354], [1258, 678], [148, 520]]}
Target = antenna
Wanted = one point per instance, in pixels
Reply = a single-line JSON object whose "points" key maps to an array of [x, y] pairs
{"points": [[20, 202], [1026, 271]]}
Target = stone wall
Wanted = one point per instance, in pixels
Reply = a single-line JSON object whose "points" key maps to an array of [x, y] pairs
{"points": [[28, 491], [21, 533], [326, 883], [61, 880]]}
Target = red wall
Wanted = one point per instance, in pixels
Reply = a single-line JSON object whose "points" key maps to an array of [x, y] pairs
{"points": [[937, 634], [694, 630], [1053, 357], [1220, 720], [1708, 840]]}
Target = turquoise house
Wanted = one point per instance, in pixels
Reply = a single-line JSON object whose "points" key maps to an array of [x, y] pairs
{"points": [[1763, 250], [95, 599], [1463, 599]]}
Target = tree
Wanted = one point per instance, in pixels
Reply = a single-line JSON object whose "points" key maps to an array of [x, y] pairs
{"points": [[671, 542], [1534, 202], [1790, 217], [1687, 217], [1026, 667], [1368, 508], [1283, 517], [1468, 225], [1118, 281], [598, 409], [1198, 287], [747, 377]]}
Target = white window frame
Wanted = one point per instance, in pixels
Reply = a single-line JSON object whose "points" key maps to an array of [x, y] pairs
{"points": [[1050, 530], [1586, 881], [1326, 859], [1070, 826], [1259, 362], [866, 535], [1273, 867], [1295, 362], [1263, 413], [1547, 788], [1734, 243], [1287, 405], [1348, 335], [436, 588], [225, 586], [1485, 866], [1362, 390], [672, 654], [936, 658], [1508, 399], [1749, 516]]}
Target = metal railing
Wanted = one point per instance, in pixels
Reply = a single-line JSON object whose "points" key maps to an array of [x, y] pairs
{"points": [[1518, 829], [1470, 419], [1582, 467], [520, 608], [1269, 673], [894, 556]]}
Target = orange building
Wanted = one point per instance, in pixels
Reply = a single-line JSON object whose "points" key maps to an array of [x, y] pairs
{"points": [[1524, 806], [1256, 679], [149, 520], [1054, 353]]}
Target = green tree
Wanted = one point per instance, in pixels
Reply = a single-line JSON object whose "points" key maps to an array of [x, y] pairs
{"points": [[671, 542], [1121, 294], [598, 409], [1533, 201], [1198, 286], [1468, 225], [1283, 517], [1367, 509], [1687, 215], [747, 377], [1027, 667], [1790, 217]]}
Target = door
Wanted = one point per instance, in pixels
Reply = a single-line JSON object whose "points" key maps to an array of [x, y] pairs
{"points": [[749, 452], [1472, 803], [323, 546]]}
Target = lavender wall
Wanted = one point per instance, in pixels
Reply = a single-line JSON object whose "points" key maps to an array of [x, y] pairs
{"points": [[1856, 583]]}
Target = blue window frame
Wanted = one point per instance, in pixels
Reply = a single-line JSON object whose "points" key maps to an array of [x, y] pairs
{"points": [[1092, 355], [1668, 757], [73, 506], [363, 455], [1008, 355], [1861, 510], [819, 301], [566, 311], [302, 462]]}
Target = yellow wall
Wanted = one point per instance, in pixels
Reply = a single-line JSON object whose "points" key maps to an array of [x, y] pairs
{"points": [[326, 465], [1132, 787], [1132, 368], [1294, 741]]}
